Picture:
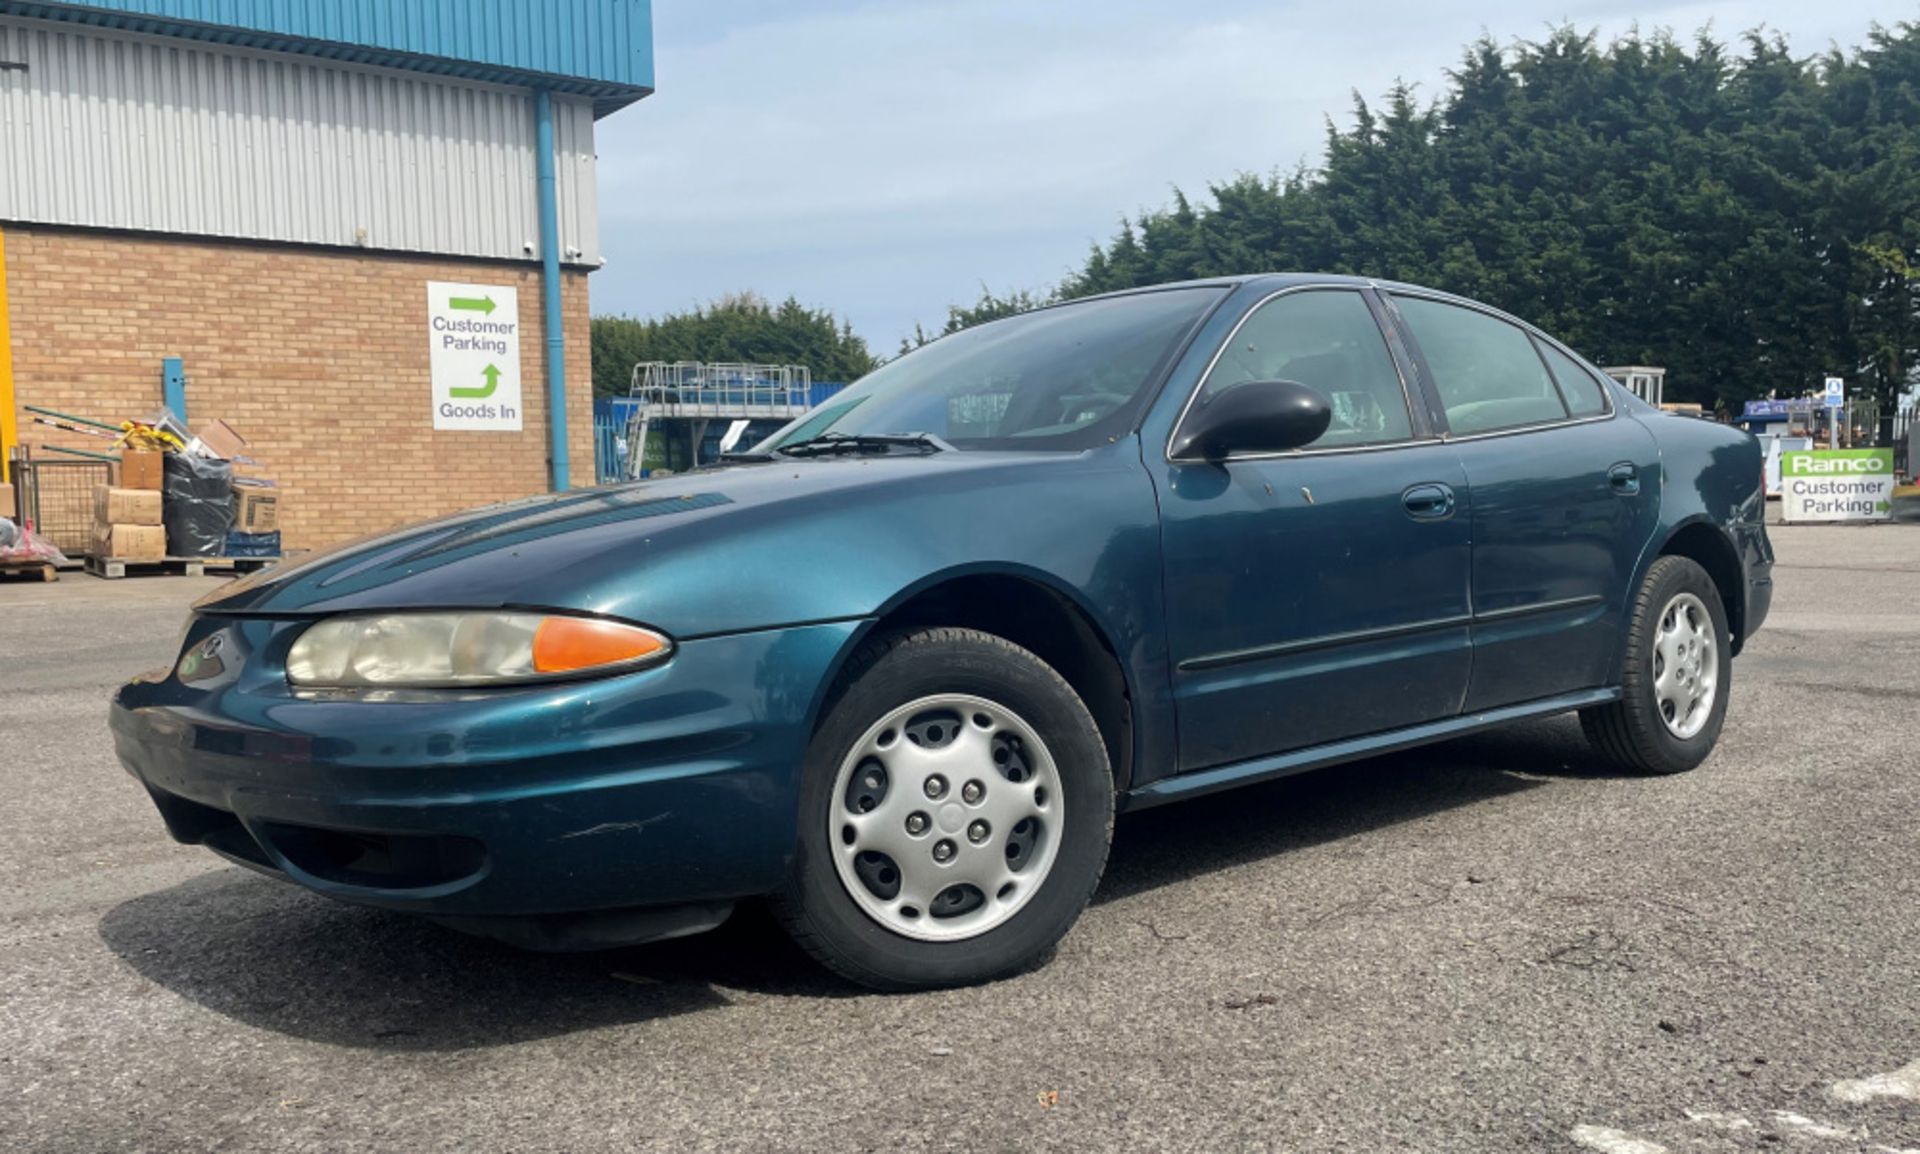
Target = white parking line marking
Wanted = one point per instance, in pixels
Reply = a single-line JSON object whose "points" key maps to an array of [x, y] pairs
{"points": [[1800, 1123], [1609, 1141], [1718, 1120], [1901, 1083]]}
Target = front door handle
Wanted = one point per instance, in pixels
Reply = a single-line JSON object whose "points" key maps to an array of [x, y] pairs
{"points": [[1624, 478], [1431, 502]]}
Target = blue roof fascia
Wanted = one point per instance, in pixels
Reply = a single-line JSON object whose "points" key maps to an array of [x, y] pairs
{"points": [[599, 49]]}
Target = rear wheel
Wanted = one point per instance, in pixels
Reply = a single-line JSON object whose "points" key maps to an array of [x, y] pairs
{"points": [[956, 808], [1675, 676]]}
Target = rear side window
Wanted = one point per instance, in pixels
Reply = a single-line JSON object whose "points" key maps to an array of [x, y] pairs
{"points": [[1485, 369], [1577, 386], [1327, 340]]}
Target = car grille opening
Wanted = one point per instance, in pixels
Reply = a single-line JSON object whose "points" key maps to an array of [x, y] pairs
{"points": [[195, 824], [345, 857], [374, 860]]}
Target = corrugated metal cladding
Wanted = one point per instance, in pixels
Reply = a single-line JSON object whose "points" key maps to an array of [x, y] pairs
{"points": [[116, 130], [610, 41]]}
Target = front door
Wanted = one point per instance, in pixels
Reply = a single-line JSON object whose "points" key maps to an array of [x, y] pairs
{"points": [[1323, 593]]}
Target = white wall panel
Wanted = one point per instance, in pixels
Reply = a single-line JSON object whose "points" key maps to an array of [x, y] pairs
{"points": [[112, 130]]}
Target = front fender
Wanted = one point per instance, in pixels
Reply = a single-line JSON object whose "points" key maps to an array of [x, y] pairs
{"points": [[1085, 525]]}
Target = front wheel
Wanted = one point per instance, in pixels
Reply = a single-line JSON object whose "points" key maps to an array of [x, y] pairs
{"points": [[1675, 676], [955, 811]]}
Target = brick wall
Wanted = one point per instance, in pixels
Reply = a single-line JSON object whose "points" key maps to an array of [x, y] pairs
{"points": [[318, 358]]}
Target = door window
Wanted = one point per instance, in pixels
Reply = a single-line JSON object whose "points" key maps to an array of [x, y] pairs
{"points": [[1577, 386], [1328, 341], [1485, 369]]}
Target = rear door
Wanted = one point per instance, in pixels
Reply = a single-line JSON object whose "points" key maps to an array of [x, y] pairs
{"points": [[1318, 594], [1566, 494]]}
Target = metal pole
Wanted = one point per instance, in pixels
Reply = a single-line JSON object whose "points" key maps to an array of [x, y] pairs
{"points": [[81, 453], [554, 322], [115, 429]]}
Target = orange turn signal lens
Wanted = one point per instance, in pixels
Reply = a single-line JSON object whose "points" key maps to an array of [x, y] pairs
{"points": [[570, 644]]}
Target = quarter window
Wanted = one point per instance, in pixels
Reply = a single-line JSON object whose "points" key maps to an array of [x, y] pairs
{"points": [[1485, 369], [1577, 386], [1328, 341]]}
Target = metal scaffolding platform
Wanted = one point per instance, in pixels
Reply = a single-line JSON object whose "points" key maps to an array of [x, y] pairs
{"points": [[697, 392], [696, 389]]}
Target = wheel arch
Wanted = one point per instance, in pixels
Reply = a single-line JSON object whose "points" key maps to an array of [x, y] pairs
{"points": [[1707, 545], [1036, 611]]}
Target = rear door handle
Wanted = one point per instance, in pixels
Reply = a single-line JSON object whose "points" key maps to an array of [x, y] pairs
{"points": [[1430, 502], [1624, 478]]}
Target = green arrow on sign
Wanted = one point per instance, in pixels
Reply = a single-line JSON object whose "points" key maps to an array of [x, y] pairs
{"points": [[472, 304], [492, 373]]}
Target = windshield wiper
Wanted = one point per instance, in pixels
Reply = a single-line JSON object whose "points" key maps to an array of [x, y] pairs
{"points": [[862, 443]]}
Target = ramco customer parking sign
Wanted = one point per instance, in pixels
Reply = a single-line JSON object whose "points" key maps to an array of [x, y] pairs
{"points": [[473, 336], [1836, 485]]}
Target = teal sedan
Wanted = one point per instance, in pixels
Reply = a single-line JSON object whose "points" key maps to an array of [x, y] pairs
{"points": [[896, 669]]}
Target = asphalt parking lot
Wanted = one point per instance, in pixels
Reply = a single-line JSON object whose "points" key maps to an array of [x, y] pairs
{"points": [[1491, 945]]}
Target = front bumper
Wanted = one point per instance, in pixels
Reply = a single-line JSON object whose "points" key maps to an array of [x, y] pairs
{"points": [[668, 786]]}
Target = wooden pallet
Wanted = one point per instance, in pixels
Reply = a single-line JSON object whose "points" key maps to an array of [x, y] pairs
{"points": [[175, 566], [31, 570]]}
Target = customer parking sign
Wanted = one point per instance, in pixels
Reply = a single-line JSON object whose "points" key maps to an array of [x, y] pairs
{"points": [[1836, 485], [473, 341]]}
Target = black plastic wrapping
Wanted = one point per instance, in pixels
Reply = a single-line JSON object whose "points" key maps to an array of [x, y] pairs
{"points": [[197, 505]]}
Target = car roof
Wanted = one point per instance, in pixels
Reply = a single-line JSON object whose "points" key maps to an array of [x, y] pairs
{"points": [[1279, 280], [1275, 281]]}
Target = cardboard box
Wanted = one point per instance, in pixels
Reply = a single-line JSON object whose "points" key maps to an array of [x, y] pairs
{"points": [[140, 469], [7, 509], [220, 441], [125, 506], [256, 509], [130, 542]]}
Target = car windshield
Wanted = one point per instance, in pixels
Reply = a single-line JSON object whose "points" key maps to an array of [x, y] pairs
{"points": [[1062, 378]]}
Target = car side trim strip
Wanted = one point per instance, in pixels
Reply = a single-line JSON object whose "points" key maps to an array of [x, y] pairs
{"points": [[1324, 641], [1299, 761], [1533, 607]]}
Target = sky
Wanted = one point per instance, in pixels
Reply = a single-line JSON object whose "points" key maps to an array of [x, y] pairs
{"points": [[885, 159]]}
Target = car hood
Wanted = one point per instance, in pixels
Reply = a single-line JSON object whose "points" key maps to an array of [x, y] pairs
{"points": [[740, 547]]}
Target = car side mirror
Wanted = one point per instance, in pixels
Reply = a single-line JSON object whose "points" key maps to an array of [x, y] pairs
{"points": [[1252, 417]]}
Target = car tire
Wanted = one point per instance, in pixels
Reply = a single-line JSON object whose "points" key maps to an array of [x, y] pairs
{"points": [[1674, 679], [1028, 756]]}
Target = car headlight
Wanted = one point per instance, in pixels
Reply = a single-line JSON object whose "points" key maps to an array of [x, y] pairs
{"points": [[457, 650]]}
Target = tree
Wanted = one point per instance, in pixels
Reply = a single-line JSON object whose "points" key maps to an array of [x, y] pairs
{"points": [[987, 308], [1747, 219], [741, 327]]}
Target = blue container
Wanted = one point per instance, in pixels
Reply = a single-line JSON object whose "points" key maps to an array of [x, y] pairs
{"points": [[252, 544]]}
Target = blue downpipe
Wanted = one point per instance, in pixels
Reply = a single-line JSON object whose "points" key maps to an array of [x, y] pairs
{"points": [[556, 328]]}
